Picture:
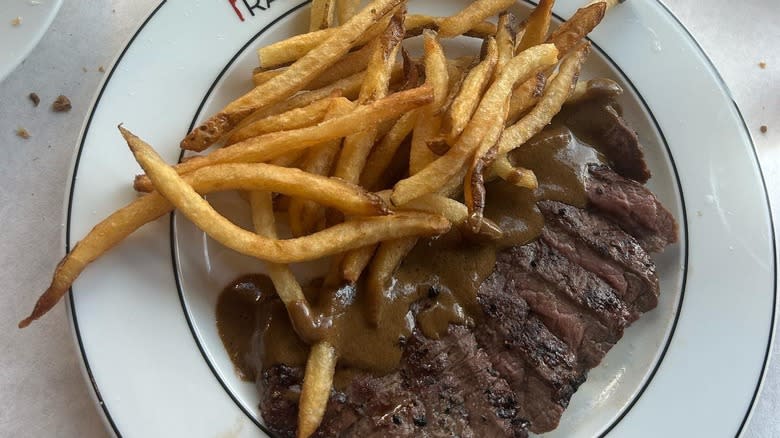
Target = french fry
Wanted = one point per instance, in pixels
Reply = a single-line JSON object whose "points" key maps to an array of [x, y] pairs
{"points": [[537, 25], [315, 390], [376, 85], [383, 153], [346, 9], [354, 262], [416, 24], [294, 48], [472, 14], [518, 176], [388, 257], [288, 159], [293, 119], [322, 14], [569, 34], [270, 146], [550, 104], [506, 35], [490, 111], [123, 222], [594, 89], [467, 100], [339, 238], [292, 80], [352, 63], [429, 121], [525, 96]]}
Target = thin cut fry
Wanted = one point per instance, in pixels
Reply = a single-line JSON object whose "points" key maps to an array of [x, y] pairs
{"points": [[376, 85], [506, 35], [416, 24], [550, 104], [355, 262], [293, 79], [490, 111], [123, 222], [339, 238], [289, 159], [294, 119], [315, 390], [573, 30], [352, 63], [537, 25], [518, 176], [525, 96], [471, 15], [429, 121], [322, 14], [272, 145], [388, 257], [467, 100]]}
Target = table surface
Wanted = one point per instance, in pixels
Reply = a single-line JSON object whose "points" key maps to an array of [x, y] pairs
{"points": [[42, 391]]}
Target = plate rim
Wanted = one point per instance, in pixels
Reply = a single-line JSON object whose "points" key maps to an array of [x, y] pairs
{"points": [[69, 192]]}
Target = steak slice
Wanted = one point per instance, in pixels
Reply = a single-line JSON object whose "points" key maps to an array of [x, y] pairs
{"points": [[601, 247], [540, 368], [632, 206]]}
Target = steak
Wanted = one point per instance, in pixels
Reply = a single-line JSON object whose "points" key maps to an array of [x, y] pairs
{"points": [[552, 309]]}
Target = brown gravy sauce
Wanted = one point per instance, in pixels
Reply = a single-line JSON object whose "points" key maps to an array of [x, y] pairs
{"points": [[438, 281]]}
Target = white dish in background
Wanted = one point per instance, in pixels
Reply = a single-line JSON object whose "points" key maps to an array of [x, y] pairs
{"points": [[143, 315], [17, 41]]}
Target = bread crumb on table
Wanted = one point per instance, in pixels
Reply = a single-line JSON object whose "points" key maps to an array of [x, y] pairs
{"points": [[763, 129], [102, 69], [34, 98], [21, 132], [61, 104], [16, 21], [762, 65]]}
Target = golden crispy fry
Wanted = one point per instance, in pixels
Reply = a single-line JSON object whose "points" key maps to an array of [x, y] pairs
{"points": [[269, 146], [387, 259], [322, 14], [429, 122], [315, 390], [594, 88], [120, 224], [294, 48], [467, 100], [472, 14], [293, 79], [525, 96], [537, 25], [355, 262], [518, 176], [608, 3], [289, 159], [416, 24], [491, 110], [346, 9], [376, 85], [573, 30], [506, 35], [352, 63], [382, 154], [339, 238], [294, 119], [554, 96]]}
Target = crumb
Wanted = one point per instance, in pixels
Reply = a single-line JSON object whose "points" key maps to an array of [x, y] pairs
{"points": [[102, 69], [61, 104], [762, 65], [34, 98], [84, 69], [763, 129], [16, 21], [21, 132]]}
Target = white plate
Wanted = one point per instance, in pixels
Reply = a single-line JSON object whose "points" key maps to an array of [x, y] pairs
{"points": [[143, 315], [16, 42]]}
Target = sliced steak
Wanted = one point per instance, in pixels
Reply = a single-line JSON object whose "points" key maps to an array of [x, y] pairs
{"points": [[632, 206], [280, 388], [600, 123], [601, 247], [540, 368]]}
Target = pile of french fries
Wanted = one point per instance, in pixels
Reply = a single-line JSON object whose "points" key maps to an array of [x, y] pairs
{"points": [[366, 148]]}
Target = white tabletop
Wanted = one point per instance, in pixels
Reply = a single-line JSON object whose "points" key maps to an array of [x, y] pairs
{"points": [[42, 391]]}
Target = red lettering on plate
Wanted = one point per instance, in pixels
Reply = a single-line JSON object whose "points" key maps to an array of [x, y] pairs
{"points": [[235, 8]]}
